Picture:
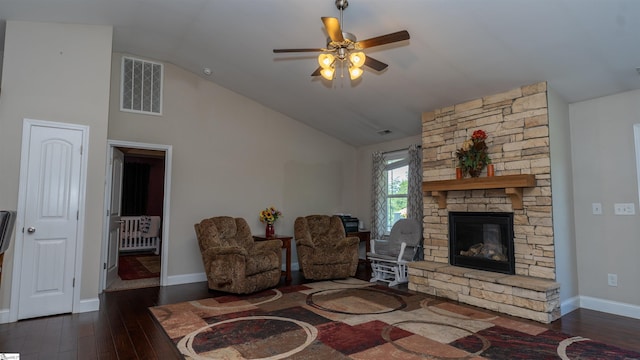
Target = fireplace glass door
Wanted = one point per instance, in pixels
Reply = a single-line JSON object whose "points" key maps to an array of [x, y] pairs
{"points": [[481, 240]]}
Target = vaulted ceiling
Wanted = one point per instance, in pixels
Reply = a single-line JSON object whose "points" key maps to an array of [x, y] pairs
{"points": [[459, 50]]}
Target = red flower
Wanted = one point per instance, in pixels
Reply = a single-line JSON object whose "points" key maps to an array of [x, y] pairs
{"points": [[479, 135]]}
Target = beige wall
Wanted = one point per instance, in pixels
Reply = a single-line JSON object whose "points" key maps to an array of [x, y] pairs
{"points": [[59, 73], [604, 171], [233, 156], [562, 201]]}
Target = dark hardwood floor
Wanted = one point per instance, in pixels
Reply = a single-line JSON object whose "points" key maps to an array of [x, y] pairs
{"points": [[125, 329]]}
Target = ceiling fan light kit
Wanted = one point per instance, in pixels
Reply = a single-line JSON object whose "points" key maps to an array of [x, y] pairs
{"points": [[344, 49]]}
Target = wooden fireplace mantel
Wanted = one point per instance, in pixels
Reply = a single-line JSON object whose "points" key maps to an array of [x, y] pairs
{"points": [[512, 185]]}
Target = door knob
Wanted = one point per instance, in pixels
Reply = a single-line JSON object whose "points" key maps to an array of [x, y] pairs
{"points": [[31, 230]]}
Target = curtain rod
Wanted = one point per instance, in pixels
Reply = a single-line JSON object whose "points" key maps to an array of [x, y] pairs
{"points": [[398, 150]]}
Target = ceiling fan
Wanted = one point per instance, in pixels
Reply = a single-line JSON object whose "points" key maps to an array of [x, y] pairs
{"points": [[343, 48]]}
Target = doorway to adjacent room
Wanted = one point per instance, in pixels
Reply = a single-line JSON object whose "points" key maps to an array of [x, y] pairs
{"points": [[135, 242]]}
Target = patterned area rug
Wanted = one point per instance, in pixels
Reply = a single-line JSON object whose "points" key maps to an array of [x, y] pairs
{"points": [[132, 267], [353, 319]]}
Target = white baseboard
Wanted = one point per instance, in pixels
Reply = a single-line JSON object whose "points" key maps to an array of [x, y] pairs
{"points": [[199, 277], [87, 305], [185, 279], [611, 307], [4, 316], [569, 305]]}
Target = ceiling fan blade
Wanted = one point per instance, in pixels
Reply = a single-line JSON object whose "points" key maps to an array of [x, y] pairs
{"points": [[333, 29], [375, 64], [297, 50], [317, 72], [384, 39]]}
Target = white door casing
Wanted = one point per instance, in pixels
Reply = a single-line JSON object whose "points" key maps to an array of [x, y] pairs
{"points": [[166, 221], [114, 213], [48, 240]]}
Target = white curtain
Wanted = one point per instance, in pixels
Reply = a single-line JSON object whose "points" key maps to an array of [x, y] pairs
{"points": [[378, 195]]}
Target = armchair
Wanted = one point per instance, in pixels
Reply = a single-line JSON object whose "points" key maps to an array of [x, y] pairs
{"points": [[324, 251], [233, 261]]}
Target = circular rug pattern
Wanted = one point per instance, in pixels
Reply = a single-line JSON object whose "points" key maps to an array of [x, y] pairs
{"points": [[185, 345], [391, 301], [386, 335], [276, 296]]}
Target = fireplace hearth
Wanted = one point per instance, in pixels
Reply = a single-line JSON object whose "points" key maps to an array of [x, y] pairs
{"points": [[482, 240]]}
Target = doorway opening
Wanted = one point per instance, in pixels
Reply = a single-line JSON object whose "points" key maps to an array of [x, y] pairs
{"points": [[135, 248]]}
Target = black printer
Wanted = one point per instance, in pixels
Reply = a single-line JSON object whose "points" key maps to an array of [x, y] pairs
{"points": [[349, 223]]}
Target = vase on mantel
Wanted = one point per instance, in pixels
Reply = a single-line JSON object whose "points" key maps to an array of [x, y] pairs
{"points": [[458, 173], [490, 170], [270, 231]]}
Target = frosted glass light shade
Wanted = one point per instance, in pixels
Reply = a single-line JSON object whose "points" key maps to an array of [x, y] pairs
{"points": [[357, 58], [327, 73], [355, 72], [325, 60]]}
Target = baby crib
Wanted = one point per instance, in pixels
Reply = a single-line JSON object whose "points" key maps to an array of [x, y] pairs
{"points": [[140, 233]]}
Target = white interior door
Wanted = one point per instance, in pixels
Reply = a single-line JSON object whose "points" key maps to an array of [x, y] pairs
{"points": [[117, 167], [51, 211]]}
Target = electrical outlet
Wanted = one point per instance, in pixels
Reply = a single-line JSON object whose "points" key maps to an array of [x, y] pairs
{"points": [[596, 208], [624, 209], [612, 279]]}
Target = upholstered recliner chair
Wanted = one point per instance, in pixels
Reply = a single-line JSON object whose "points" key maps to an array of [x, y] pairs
{"points": [[324, 251], [233, 261]]}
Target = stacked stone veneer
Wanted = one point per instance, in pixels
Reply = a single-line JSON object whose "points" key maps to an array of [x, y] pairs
{"points": [[517, 126]]}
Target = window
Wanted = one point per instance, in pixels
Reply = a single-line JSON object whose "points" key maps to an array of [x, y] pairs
{"points": [[397, 184], [141, 86], [396, 189]]}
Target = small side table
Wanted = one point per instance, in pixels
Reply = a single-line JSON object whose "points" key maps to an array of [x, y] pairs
{"points": [[364, 236], [286, 244]]}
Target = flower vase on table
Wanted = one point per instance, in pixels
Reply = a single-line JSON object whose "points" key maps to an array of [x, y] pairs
{"points": [[269, 217], [270, 232]]}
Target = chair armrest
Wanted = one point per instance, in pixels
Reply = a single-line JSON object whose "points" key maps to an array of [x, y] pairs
{"points": [[402, 247], [224, 250], [348, 241], [305, 242], [266, 246], [382, 242], [342, 243]]}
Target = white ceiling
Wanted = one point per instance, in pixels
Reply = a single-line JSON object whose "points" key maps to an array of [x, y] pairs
{"points": [[459, 50]]}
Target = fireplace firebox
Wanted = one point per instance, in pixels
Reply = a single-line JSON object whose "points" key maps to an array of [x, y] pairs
{"points": [[482, 240]]}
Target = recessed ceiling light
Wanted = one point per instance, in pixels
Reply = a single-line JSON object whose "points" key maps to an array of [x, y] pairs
{"points": [[206, 71]]}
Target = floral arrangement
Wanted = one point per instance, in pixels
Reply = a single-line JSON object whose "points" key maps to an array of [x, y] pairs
{"points": [[269, 215], [472, 156]]}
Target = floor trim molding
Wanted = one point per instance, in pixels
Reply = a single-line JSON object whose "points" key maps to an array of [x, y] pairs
{"points": [[610, 307], [186, 278]]}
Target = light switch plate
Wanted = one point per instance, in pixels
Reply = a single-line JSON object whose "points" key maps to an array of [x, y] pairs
{"points": [[596, 208], [624, 209]]}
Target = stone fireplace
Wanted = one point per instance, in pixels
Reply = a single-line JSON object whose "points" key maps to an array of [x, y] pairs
{"points": [[517, 126]]}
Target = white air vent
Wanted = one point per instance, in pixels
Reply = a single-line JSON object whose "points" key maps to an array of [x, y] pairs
{"points": [[141, 86]]}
